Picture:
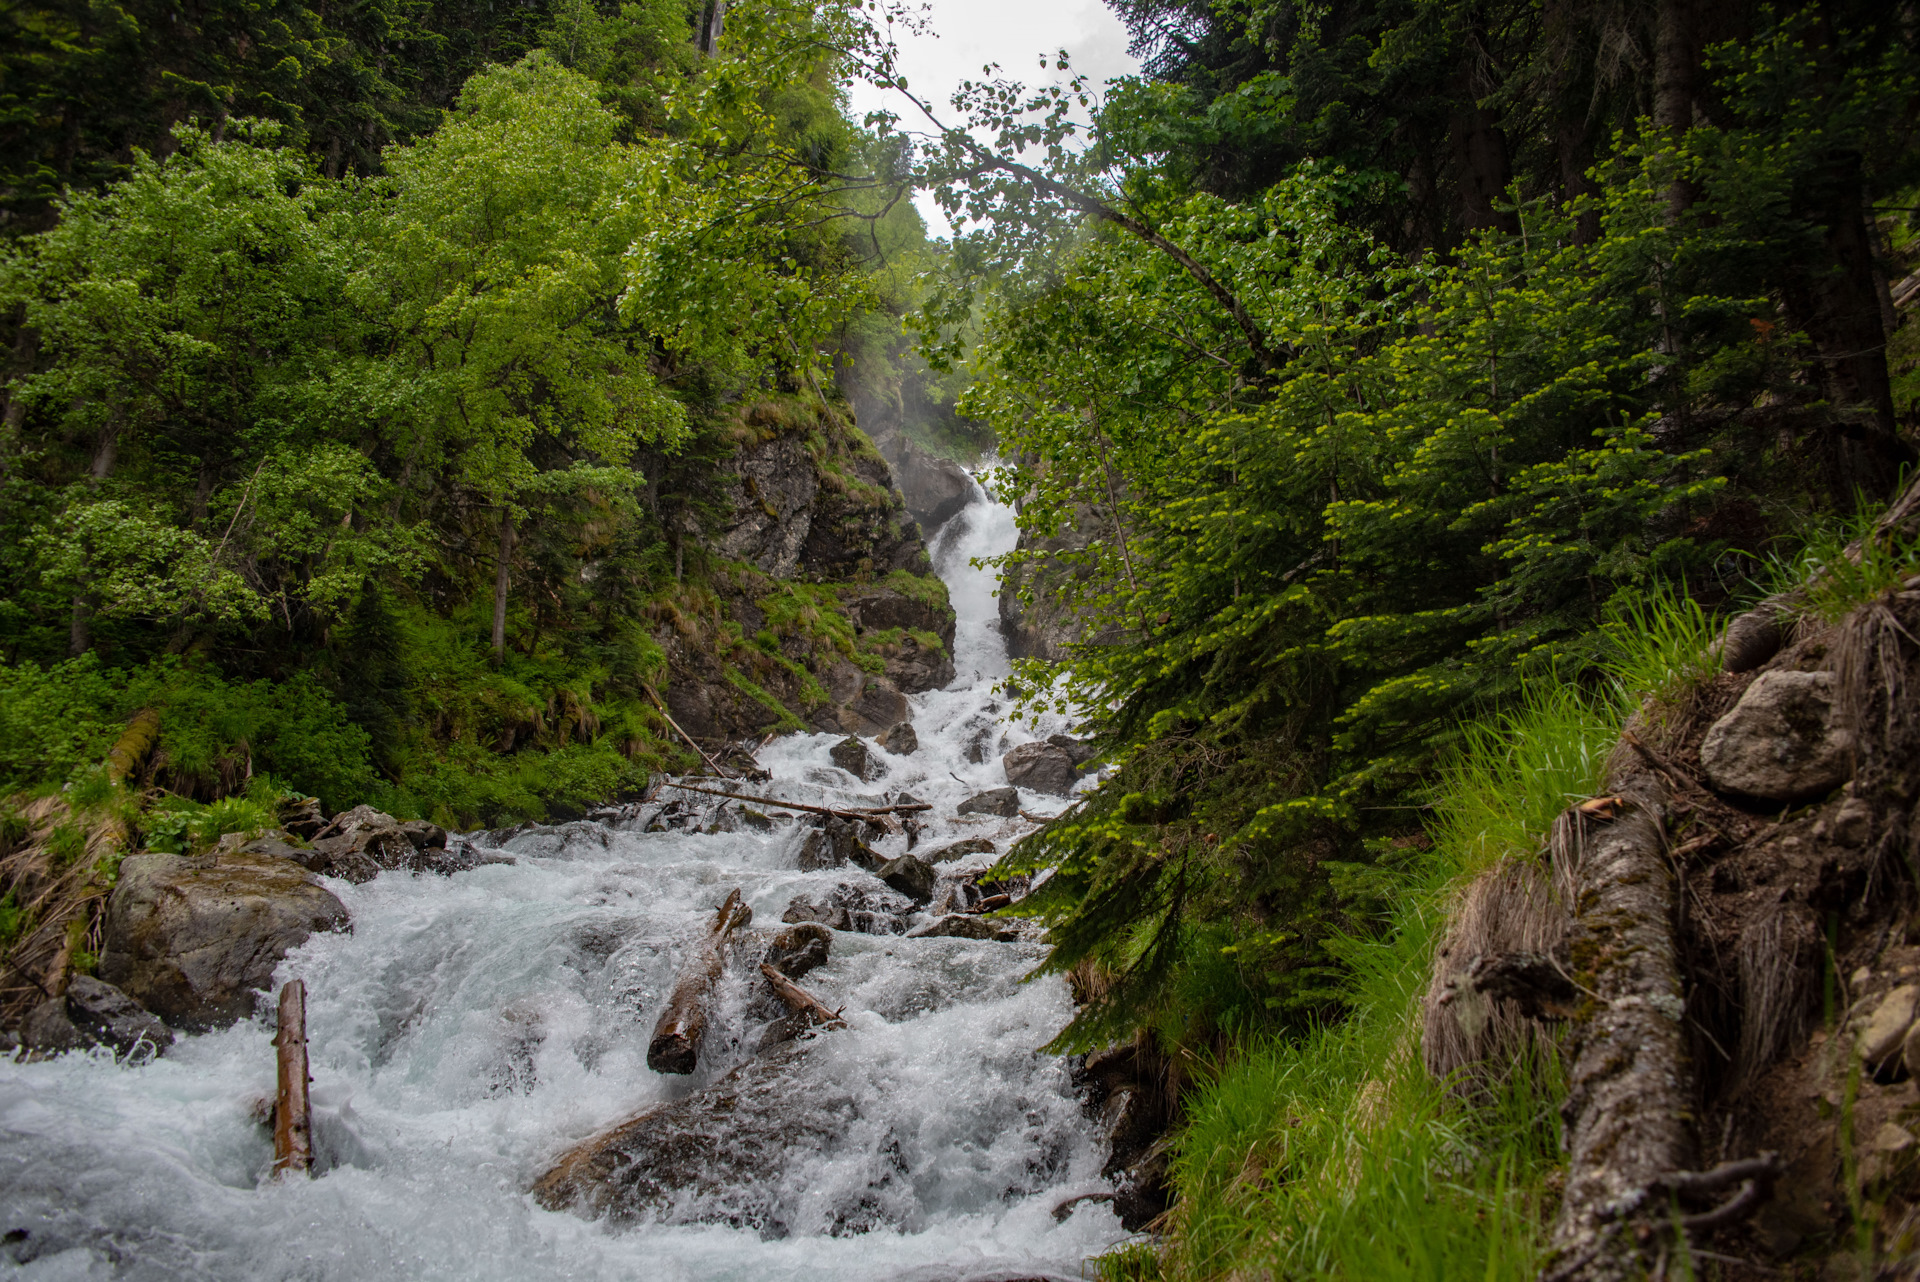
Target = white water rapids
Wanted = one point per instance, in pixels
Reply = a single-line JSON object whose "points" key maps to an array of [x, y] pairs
{"points": [[471, 1029]]}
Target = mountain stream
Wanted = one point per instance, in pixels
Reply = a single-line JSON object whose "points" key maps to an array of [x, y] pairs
{"points": [[469, 1030]]}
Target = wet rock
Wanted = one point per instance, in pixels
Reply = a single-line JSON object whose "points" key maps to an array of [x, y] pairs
{"points": [[912, 877], [877, 706], [93, 1013], [1782, 742], [900, 739], [301, 816], [961, 926], [833, 842], [960, 850], [852, 756], [853, 909], [193, 939], [1041, 767], [936, 489], [710, 1157], [799, 948], [1004, 802], [1078, 749], [9, 1043]]}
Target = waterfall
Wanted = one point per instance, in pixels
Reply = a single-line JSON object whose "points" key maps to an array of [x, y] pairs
{"points": [[471, 1029]]}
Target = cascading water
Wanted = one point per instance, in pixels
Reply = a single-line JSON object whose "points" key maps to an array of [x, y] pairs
{"points": [[469, 1030]]}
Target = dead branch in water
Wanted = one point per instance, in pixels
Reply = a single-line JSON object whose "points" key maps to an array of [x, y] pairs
{"points": [[675, 1047], [860, 812], [293, 1113], [800, 1001]]}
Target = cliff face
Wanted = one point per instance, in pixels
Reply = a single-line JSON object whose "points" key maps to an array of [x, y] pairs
{"points": [[823, 612]]}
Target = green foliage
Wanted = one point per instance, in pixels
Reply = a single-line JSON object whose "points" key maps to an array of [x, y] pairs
{"points": [[229, 814], [67, 844], [56, 719]]}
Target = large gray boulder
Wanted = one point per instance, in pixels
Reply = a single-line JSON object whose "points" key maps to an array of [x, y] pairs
{"points": [[1782, 742], [797, 948], [192, 940], [935, 489], [914, 878], [1004, 802], [852, 756], [93, 1013], [900, 739], [1042, 767]]}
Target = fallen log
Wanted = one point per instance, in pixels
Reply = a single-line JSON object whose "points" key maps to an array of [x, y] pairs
{"points": [[292, 1113], [675, 1047], [712, 765], [858, 812], [1630, 1101], [800, 1001]]}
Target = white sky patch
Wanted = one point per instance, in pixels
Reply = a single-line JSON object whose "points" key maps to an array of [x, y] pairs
{"points": [[963, 36]]}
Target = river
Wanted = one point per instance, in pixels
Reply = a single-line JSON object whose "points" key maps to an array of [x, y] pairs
{"points": [[470, 1029]]}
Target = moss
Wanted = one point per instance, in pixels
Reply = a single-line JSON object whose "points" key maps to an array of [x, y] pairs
{"points": [[783, 716], [926, 589]]}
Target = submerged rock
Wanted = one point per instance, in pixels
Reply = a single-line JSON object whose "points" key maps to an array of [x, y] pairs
{"points": [[850, 908], [1783, 741], [193, 939], [93, 1013], [962, 926], [1042, 767], [716, 1156], [1004, 802], [799, 948]]}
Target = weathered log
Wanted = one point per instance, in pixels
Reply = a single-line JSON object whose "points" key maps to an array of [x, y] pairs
{"points": [[800, 1001], [292, 1113], [675, 1047], [858, 812], [133, 745], [1630, 1098]]}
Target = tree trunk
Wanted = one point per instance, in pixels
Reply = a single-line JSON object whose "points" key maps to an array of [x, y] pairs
{"points": [[711, 22], [502, 566], [1674, 73], [292, 1113], [675, 1047], [1630, 1090]]}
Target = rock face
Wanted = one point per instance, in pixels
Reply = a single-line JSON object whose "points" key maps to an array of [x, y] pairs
{"points": [[92, 1013], [1048, 627], [1781, 742], [1042, 767], [788, 523], [900, 739], [935, 489], [193, 939], [912, 877], [1004, 802]]}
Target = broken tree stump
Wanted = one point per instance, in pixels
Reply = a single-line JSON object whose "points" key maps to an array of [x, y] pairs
{"points": [[292, 1114], [675, 1047], [800, 1001]]}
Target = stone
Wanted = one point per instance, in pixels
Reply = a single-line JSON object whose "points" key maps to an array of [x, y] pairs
{"points": [[192, 940], [424, 836], [278, 849], [957, 926], [1004, 802], [900, 739], [1885, 1030], [852, 756], [1910, 1051], [934, 488], [850, 908], [1782, 742], [1852, 824], [1751, 639], [301, 816], [1041, 767], [912, 877], [959, 850], [877, 706], [953, 895], [1079, 749], [94, 1013], [1891, 1137], [832, 842], [799, 948]]}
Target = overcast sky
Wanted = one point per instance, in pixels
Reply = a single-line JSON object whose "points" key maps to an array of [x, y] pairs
{"points": [[965, 35]]}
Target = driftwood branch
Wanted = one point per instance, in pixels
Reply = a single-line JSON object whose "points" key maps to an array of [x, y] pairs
{"points": [[292, 1112], [675, 1047], [712, 765], [800, 1001], [859, 812]]}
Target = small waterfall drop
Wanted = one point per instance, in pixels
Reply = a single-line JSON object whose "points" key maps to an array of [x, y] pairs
{"points": [[471, 1029]]}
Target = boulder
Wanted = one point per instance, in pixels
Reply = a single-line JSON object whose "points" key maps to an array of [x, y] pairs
{"points": [[1004, 802], [799, 948], [1079, 749], [301, 816], [877, 706], [900, 739], [961, 926], [935, 489], [912, 877], [959, 850], [718, 1155], [1042, 767], [852, 756], [93, 1013], [1782, 742], [1884, 1031], [833, 842], [193, 939], [849, 908]]}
